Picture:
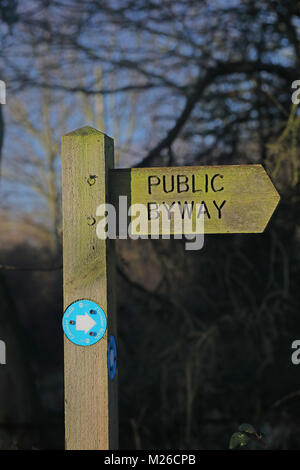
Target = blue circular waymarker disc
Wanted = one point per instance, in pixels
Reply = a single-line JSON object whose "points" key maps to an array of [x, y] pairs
{"points": [[112, 357], [84, 322]]}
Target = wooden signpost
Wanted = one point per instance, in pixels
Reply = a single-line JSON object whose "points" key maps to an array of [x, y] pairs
{"points": [[235, 199], [91, 411]]}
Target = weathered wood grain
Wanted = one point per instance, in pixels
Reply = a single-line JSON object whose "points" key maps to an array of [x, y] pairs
{"points": [[91, 416], [249, 195]]}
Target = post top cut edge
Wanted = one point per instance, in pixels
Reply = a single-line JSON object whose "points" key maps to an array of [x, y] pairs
{"points": [[84, 131]]}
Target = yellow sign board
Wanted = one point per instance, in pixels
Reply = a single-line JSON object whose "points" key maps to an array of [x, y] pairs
{"points": [[230, 198]]}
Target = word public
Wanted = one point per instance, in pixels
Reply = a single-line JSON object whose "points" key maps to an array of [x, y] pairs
{"points": [[190, 184]]}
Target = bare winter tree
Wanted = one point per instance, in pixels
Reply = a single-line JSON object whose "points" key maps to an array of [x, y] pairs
{"points": [[213, 77], [183, 82]]}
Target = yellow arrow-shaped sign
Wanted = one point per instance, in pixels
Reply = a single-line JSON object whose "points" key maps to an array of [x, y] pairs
{"points": [[231, 198]]}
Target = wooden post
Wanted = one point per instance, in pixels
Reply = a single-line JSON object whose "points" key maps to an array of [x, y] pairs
{"points": [[91, 411]]}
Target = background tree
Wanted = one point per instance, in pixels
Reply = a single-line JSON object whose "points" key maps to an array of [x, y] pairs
{"points": [[182, 82]]}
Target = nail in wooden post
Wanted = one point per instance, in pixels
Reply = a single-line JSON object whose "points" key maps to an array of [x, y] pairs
{"points": [[91, 414]]}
